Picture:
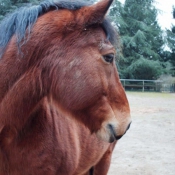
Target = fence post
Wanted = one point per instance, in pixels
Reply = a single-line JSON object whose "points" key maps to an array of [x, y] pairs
{"points": [[143, 87]]}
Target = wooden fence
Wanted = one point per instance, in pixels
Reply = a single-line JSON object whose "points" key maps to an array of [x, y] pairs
{"points": [[147, 85]]}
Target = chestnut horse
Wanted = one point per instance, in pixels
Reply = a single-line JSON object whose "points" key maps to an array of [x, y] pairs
{"points": [[62, 106]]}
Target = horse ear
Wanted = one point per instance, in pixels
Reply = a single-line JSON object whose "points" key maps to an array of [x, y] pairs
{"points": [[95, 13]]}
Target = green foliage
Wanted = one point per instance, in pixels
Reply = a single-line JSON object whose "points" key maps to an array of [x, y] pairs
{"points": [[144, 69], [141, 38], [170, 41], [8, 6]]}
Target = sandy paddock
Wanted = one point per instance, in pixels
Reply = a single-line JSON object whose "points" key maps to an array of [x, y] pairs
{"points": [[148, 148]]}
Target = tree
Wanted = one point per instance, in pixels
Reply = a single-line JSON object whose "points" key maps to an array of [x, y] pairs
{"points": [[171, 44], [7, 6], [141, 38]]}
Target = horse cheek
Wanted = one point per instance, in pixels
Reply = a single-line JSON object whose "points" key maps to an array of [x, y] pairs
{"points": [[80, 94]]}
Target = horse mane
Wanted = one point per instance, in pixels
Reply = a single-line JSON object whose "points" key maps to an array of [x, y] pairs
{"points": [[25, 17]]}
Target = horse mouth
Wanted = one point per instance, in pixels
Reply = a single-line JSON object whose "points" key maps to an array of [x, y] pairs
{"points": [[113, 135]]}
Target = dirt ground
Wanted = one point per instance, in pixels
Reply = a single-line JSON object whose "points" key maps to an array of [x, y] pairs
{"points": [[148, 148]]}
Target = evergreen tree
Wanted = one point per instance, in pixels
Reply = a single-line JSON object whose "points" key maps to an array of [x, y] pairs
{"points": [[141, 38], [7, 6], [171, 45]]}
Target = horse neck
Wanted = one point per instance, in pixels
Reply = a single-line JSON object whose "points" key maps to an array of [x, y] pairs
{"points": [[21, 99], [9, 76], [13, 65]]}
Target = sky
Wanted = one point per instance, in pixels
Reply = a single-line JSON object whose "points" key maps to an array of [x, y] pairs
{"points": [[165, 17]]}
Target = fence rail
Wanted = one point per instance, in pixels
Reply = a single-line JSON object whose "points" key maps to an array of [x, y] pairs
{"points": [[147, 85]]}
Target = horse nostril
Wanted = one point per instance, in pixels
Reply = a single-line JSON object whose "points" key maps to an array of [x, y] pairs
{"points": [[111, 129], [113, 133]]}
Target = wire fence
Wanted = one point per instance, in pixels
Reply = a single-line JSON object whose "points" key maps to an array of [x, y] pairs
{"points": [[148, 85]]}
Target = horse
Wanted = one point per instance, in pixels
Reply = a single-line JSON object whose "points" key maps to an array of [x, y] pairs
{"points": [[62, 105]]}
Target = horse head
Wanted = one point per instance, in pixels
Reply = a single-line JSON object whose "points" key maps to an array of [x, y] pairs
{"points": [[74, 47]]}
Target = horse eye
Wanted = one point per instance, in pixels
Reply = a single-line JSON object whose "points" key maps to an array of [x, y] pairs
{"points": [[109, 57]]}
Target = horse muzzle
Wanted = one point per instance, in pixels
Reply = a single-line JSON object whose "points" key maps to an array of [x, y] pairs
{"points": [[110, 133], [114, 135]]}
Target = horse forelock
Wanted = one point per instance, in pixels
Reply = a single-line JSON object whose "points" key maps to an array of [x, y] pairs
{"points": [[24, 18]]}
